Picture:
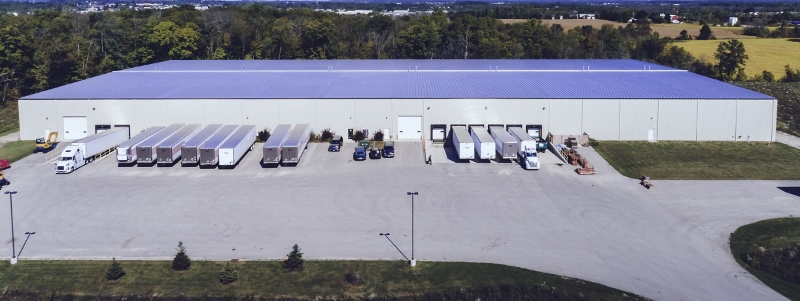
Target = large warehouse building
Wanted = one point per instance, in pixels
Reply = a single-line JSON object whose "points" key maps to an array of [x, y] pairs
{"points": [[407, 99]]}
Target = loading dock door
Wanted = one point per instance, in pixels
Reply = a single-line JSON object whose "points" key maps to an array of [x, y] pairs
{"points": [[409, 127], [75, 127]]}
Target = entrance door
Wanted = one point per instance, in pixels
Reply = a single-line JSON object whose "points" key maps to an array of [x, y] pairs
{"points": [[409, 127], [75, 127]]}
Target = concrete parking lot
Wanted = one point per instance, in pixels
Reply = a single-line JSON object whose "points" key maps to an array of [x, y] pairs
{"points": [[669, 243]]}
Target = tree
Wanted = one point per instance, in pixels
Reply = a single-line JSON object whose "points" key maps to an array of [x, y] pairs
{"points": [[705, 33], [228, 274], [684, 35], [731, 59], [294, 260], [115, 271], [181, 261]]}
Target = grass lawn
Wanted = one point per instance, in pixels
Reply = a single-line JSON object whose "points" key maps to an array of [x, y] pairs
{"points": [[675, 160], [771, 234], [765, 54], [267, 279], [15, 150], [664, 30]]}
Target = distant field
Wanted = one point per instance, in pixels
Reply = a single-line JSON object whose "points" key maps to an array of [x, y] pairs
{"points": [[665, 30], [765, 54]]}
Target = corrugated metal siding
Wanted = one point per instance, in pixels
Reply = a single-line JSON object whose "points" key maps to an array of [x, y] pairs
{"points": [[336, 114], [227, 112], [187, 111], [151, 112], [716, 120], [264, 113], [601, 118], [677, 119], [47, 118], [296, 111], [636, 117], [752, 118], [565, 116], [373, 114]]}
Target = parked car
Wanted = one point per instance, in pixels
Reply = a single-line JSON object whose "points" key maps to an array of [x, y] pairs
{"points": [[364, 143], [336, 144], [360, 154], [4, 164], [388, 150], [375, 153]]}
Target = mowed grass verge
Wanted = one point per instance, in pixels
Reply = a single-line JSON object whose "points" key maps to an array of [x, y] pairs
{"points": [[771, 234], [15, 150], [764, 54], [677, 160], [267, 279]]}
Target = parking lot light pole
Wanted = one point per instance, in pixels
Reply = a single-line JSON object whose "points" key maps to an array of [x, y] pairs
{"points": [[413, 261], [395, 246], [25, 243], [11, 206]]}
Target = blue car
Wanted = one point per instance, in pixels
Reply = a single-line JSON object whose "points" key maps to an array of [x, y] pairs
{"points": [[360, 154]]}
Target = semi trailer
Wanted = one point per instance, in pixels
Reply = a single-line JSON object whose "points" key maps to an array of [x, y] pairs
{"points": [[463, 143], [126, 152], [273, 146], [484, 144], [146, 151], [209, 151], [190, 151], [233, 149], [527, 148], [169, 150], [296, 143], [86, 150], [505, 145]]}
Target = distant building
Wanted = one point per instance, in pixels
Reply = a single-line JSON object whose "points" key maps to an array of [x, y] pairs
{"points": [[586, 16], [674, 19], [732, 21]]}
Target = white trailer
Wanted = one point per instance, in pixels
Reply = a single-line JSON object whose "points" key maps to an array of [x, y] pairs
{"points": [[85, 150], [233, 149], [274, 145], [126, 152], [190, 151], [146, 151], [209, 151], [505, 145], [484, 144], [463, 143], [169, 150], [527, 148], [296, 144]]}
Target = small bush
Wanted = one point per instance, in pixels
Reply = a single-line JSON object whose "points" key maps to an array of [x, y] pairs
{"points": [[181, 261], [263, 135], [358, 135], [294, 260], [327, 135], [115, 271], [228, 274], [594, 143], [378, 136], [354, 278], [314, 137]]}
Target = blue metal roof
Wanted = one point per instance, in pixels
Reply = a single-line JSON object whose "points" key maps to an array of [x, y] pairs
{"points": [[549, 79]]}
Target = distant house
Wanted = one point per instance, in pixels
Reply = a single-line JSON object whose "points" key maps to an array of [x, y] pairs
{"points": [[586, 16], [674, 19], [732, 21]]}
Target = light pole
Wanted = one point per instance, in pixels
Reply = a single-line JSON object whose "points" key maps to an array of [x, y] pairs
{"points": [[11, 205], [25, 243], [395, 246], [413, 261]]}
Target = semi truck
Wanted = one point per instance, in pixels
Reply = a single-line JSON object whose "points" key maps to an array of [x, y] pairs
{"points": [[146, 151], [484, 144], [190, 151], [169, 150], [209, 151], [274, 145], [296, 143], [126, 152], [233, 149], [463, 143], [505, 145], [527, 148], [86, 150]]}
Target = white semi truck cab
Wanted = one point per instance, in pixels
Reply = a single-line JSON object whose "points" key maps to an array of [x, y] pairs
{"points": [[529, 158], [70, 159]]}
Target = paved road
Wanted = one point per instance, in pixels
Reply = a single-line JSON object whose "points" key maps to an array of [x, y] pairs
{"points": [[669, 243], [790, 140]]}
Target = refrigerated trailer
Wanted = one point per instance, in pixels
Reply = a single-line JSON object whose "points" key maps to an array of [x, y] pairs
{"points": [[234, 148], [146, 151], [505, 145], [274, 145], [484, 144], [463, 143], [169, 150], [126, 152], [209, 151], [296, 143], [190, 151], [85, 150], [528, 155]]}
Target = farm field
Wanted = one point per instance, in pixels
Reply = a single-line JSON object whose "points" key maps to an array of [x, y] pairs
{"points": [[665, 30], [765, 54]]}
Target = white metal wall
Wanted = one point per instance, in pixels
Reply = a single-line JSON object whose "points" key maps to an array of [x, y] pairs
{"points": [[716, 120], [677, 119], [565, 116], [601, 118], [636, 117], [750, 121]]}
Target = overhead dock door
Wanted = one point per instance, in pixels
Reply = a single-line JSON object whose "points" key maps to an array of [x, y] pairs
{"points": [[409, 127], [75, 127]]}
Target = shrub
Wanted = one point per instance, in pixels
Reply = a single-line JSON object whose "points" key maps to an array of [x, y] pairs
{"points": [[228, 274], [314, 137], [358, 135], [327, 135], [115, 271], [378, 136], [294, 260], [181, 261], [354, 278], [263, 135]]}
